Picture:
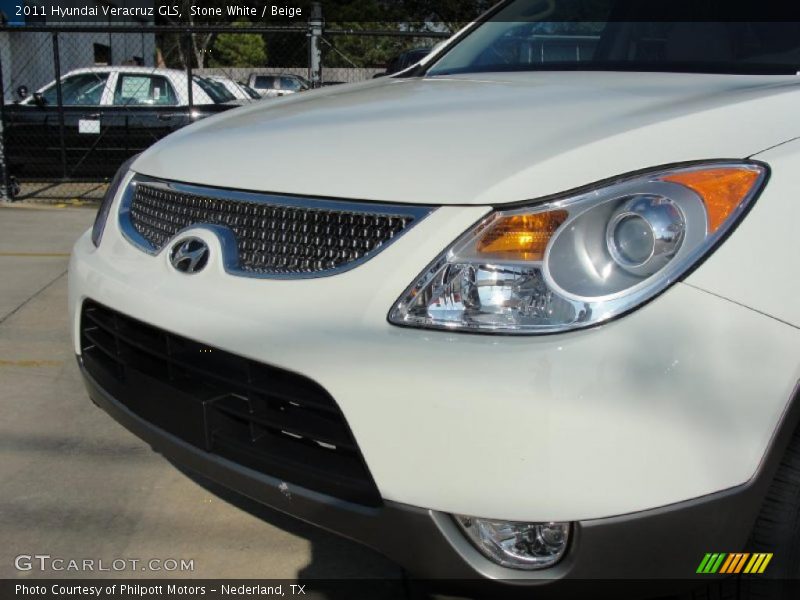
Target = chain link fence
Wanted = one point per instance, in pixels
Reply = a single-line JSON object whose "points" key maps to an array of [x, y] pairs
{"points": [[78, 101]]}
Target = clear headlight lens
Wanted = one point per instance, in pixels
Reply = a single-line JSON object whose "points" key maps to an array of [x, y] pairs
{"points": [[517, 545], [582, 259], [105, 206]]}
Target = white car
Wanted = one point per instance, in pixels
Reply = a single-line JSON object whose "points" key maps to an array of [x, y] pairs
{"points": [[510, 315], [275, 86], [239, 90], [131, 86]]}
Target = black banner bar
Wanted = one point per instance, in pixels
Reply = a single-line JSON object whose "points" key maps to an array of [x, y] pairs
{"points": [[385, 589]]}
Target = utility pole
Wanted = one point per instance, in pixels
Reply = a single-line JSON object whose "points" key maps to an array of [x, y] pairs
{"points": [[315, 26], [4, 195]]}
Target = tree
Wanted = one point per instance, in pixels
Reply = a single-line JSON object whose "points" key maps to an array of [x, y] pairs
{"points": [[364, 15], [238, 49], [172, 45], [450, 14]]}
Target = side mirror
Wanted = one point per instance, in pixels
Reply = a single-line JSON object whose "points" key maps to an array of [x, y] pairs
{"points": [[22, 92], [38, 99]]}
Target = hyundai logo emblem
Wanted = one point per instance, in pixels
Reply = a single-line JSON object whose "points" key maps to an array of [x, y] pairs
{"points": [[189, 255]]}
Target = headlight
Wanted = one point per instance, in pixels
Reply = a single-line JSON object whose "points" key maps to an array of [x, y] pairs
{"points": [[582, 259], [108, 200]]}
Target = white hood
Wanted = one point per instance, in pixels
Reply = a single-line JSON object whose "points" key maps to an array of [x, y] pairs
{"points": [[485, 139]]}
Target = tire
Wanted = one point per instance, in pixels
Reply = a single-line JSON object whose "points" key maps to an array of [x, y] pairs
{"points": [[776, 530], [13, 187]]}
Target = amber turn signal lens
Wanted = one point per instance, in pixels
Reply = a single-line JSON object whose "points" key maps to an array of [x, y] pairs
{"points": [[521, 237], [721, 189]]}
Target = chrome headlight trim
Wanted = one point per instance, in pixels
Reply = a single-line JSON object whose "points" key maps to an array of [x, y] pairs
{"points": [[446, 294], [120, 181]]}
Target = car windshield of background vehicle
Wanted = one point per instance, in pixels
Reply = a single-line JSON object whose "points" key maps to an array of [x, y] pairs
{"points": [[85, 89], [621, 35], [215, 90], [265, 82], [292, 84], [250, 91]]}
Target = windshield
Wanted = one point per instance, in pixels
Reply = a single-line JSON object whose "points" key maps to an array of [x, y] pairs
{"points": [[263, 82], [529, 35], [295, 84], [85, 89], [250, 91], [215, 90]]}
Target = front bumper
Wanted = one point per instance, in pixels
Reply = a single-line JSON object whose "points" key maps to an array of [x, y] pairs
{"points": [[650, 433], [675, 401], [666, 543]]}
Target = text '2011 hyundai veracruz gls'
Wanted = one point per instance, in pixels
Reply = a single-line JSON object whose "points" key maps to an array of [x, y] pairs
{"points": [[557, 339]]}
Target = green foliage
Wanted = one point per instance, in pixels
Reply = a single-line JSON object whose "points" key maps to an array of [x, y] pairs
{"points": [[238, 49], [389, 15], [367, 51], [455, 12], [290, 49]]}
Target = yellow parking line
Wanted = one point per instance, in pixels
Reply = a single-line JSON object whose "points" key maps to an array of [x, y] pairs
{"points": [[31, 363], [35, 254]]}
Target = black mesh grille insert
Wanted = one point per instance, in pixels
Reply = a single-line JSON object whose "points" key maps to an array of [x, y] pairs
{"points": [[270, 238], [268, 419]]}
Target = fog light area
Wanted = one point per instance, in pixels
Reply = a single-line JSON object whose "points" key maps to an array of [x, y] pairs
{"points": [[517, 545]]}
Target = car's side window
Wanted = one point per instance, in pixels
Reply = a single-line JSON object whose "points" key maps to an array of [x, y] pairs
{"points": [[84, 89], [137, 89], [266, 82], [290, 83]]}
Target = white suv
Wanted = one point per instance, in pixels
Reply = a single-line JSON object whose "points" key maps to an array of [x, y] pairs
{"points": [[510, 315], [274, 86]]}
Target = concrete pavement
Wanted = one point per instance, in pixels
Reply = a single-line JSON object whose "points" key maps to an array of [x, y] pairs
{"points": [[77, 485]]}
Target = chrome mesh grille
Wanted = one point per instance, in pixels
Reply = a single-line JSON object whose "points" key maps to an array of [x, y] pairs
{"points": [[270, 237]]}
